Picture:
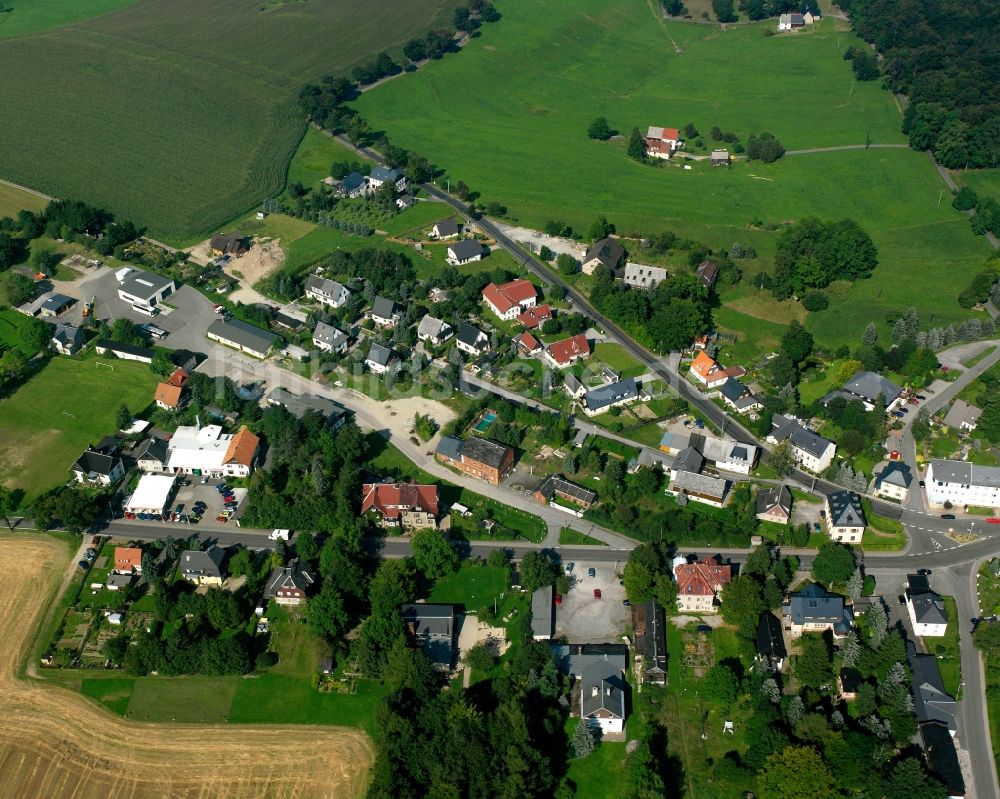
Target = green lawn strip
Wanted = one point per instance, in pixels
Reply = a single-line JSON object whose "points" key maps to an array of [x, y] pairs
{"points": [[979, 510], [115, 694], [984, 182], [473, 586], [883, 542], [201, 700], [615, 356], [31, 17], [968, 363], [947, 650], [570, 537], [281, 699], [989, 604], [13, 199], [804, 496], [315, 155]]}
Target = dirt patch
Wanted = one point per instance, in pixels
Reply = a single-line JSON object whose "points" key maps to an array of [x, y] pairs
{"points": [[56, 743], [263, 258]]}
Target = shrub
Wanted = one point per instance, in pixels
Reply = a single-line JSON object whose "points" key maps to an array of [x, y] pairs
{"points": [[965, 199], [815, 301]]}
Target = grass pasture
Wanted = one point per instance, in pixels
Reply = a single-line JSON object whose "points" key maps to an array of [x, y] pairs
{"points": [[29, 16], [58, 412], [13, 199], [616, 59], [166, 121]]}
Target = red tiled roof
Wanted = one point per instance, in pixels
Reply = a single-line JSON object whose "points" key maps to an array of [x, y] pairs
{"points": [[392, 499], [178, 378], [567, 349], [528, 342], [127, 558], [703, 364], [168, 395], [505, 297], [735, 371], [242, 448], [671, 133], [533, 317], [703, 578]]}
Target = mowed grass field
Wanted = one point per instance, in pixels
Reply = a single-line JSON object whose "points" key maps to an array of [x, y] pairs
{"points": [[519, 136], [28, 16], [13, 199], [181, 115], [52, 418]]}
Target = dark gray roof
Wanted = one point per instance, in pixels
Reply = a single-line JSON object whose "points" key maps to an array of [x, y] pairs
{"points": [[67, 334], [450, 447], [196, 563], [930, 701], [779, 496], [814, 605], [602, 688], [928, 607], [385, 174], [383, 308], [94, 463], [608, 251], [56, 303], [288, 577], [770, 644], [466, 248], [483, 451], [700, 484], [806, 440], [128, 349], [796, 19], [942, 758], [152, 449], [542, 612], [896, 473], [870, 386], [119, 580], [572, 659], [243, 333], [289, 321], [557, 482], [432, 327], [433, 628], [447, 227], [329, 335], [470, 335], [571, 383], [140, 283], [603, 396], [298, 405], [733, 389], [689, 459], [965, 473], [380, 355], [845, 509], [324, 285], [355, 180], [649, 626]]}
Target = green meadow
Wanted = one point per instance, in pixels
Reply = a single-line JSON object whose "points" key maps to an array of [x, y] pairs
{"points": [[28, 16], [519, 136]]}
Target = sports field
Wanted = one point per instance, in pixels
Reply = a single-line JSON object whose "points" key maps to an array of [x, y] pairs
{"points": [[52, 418], [519, 136], [181, 115]]}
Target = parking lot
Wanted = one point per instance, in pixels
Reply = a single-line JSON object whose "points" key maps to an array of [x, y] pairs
{"points": [[187, 498], [582, 617]]}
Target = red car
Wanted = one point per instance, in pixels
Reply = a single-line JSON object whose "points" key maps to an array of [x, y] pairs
{"points": [[558, 599], [597, 593], [993, 520], [222, 519]]}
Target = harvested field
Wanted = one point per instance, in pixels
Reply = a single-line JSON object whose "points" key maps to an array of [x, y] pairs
{"points": [[54, 743]]}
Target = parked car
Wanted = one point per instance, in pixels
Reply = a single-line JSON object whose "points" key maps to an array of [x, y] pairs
{"points": [[817, 527], [923, 572], [558, 599], [699, 424], [898, 414], [902, 599], [921, 397], [626, 603], [569, 567], [83, 565], [222, 519], [947, 515], [597, 593], [993, 520], [591, 572]]}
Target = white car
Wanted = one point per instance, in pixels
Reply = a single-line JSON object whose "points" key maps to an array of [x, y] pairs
{"points": [[284, 535]]}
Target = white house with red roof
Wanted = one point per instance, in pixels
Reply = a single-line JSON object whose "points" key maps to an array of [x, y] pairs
{"points": [[700, 584], [511, 299], [662, 142], [534, 317], [562, 353], [527, 343], [409, 505]]}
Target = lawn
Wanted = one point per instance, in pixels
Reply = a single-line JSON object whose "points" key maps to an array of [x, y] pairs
{"points": [[204, 124], [615, 356], [12, 328], [570, 537], [984, 182], [947, 651], [28, 17], [114, 694], [637, 71], [13, 199], [314, 157], [194, 700], [471, 586], [52, 418]]}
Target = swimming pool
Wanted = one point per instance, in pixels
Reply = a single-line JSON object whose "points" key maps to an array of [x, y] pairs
{"points": [[486, 421]]}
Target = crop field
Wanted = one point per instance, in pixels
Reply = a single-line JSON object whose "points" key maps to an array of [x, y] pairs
{"points": [[51, 419], [617, 59], [56, 743], [181, 115], [28, 16]]}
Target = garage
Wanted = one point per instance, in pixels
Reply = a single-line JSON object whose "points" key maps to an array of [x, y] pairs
{"points": [[153, 494]]}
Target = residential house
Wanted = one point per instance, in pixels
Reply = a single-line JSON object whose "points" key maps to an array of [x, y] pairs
{"points": [[228, 244], [384, 313], [509, 300], [535, 317], [662, 142], [407, 505], [477, 457], [434, 331], [288, 585], [962, 483], [942, 758], [299, 405], [811, 451], [527, 343], [700, 584], [723, 454], [771, 651], [573, 386], [445, 229], [151, 455], [872, 389], [790, 22], [470, 339], [640, 276], [707, 371], [925, 608], [603, 398], [608, 253], [720, 158], [465, 252], [100, 465], [55, 304], [144, 290], [119, 582], [380, 359], [697, 487], [127, 352], [206, 451], [404, 201], [327, 292], [650, 643], [708, 273], [543, 616], [814, 610], [68, 340], [437, 295], [845, 517], [328, 339], [242, 336], [931, 703], [563, 353], [738, 396], [128, 560], [203, 567], [381, 175], [168, 394], [432, 629], [352, 185], [602, 696], [962, 416], [556, 487], [894, 481], [774, 504]]}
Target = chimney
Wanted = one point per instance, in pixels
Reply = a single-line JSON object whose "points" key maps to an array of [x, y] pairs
{"points": [[608, 689], [594, 691]]}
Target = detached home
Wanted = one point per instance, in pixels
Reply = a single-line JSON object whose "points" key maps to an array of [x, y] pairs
{"points": [[288, 584], [603, 398], [477, 457], [380, 359], [407, 505], [845, 517], [381, 175], [662, 142], [894, 481], [434, 331], [509, 300], [814, 609], [962, 416], [445, 229], [471, 339], [608, 253], [298, 405], [465, 252], [708, 273], [68, 340], [563, 353], [228, 244], [328, 339], [641, 276], [432, 630], [700, 584], [925, 608], [203, 567], [774, 504], [384, 313], [535, 317], [528, 344], [811, 450], [327, 292], [98, 466], [771, 651], [602, 695]]}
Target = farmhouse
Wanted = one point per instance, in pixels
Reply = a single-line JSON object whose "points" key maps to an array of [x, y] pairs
{"points": [[811, 451], [845, 517], [608, 253], [563, 353], [641, 276], [67, 339], [288, 585], [542, 613], [465, 252], [925, 608], [471, 339], [299, 405], [327, 292], [662, 142], [510, 299], [351, 185], [730, 456], [535, 317], [242, 336], [228, 244], [432, 629], [411, 506], [380, 359], [559, 487], [962, 416], [602, 695], [720, 158], [168, 394], [98, 465], [771, 652], [435, 331], [55, 304], [738, 396], [708, 273], [813, 609], [381, 175], [613, 395], [152, 494], [527, 344], [649, 632], [404, 201], [774, 504], [962, 483], [700, 584], [328, 339], [203, 567], [894, 481], [698, 487], [142, 289], [476, 457], [445, 229]]}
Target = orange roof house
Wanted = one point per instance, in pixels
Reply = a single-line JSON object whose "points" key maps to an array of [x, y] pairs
{"points": [[411, 504], [706, 371], [128, 560], [534, 317], [242, 448], [168, 396], [528, 343], [700, 584], [510, 299], [563, 353]]}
